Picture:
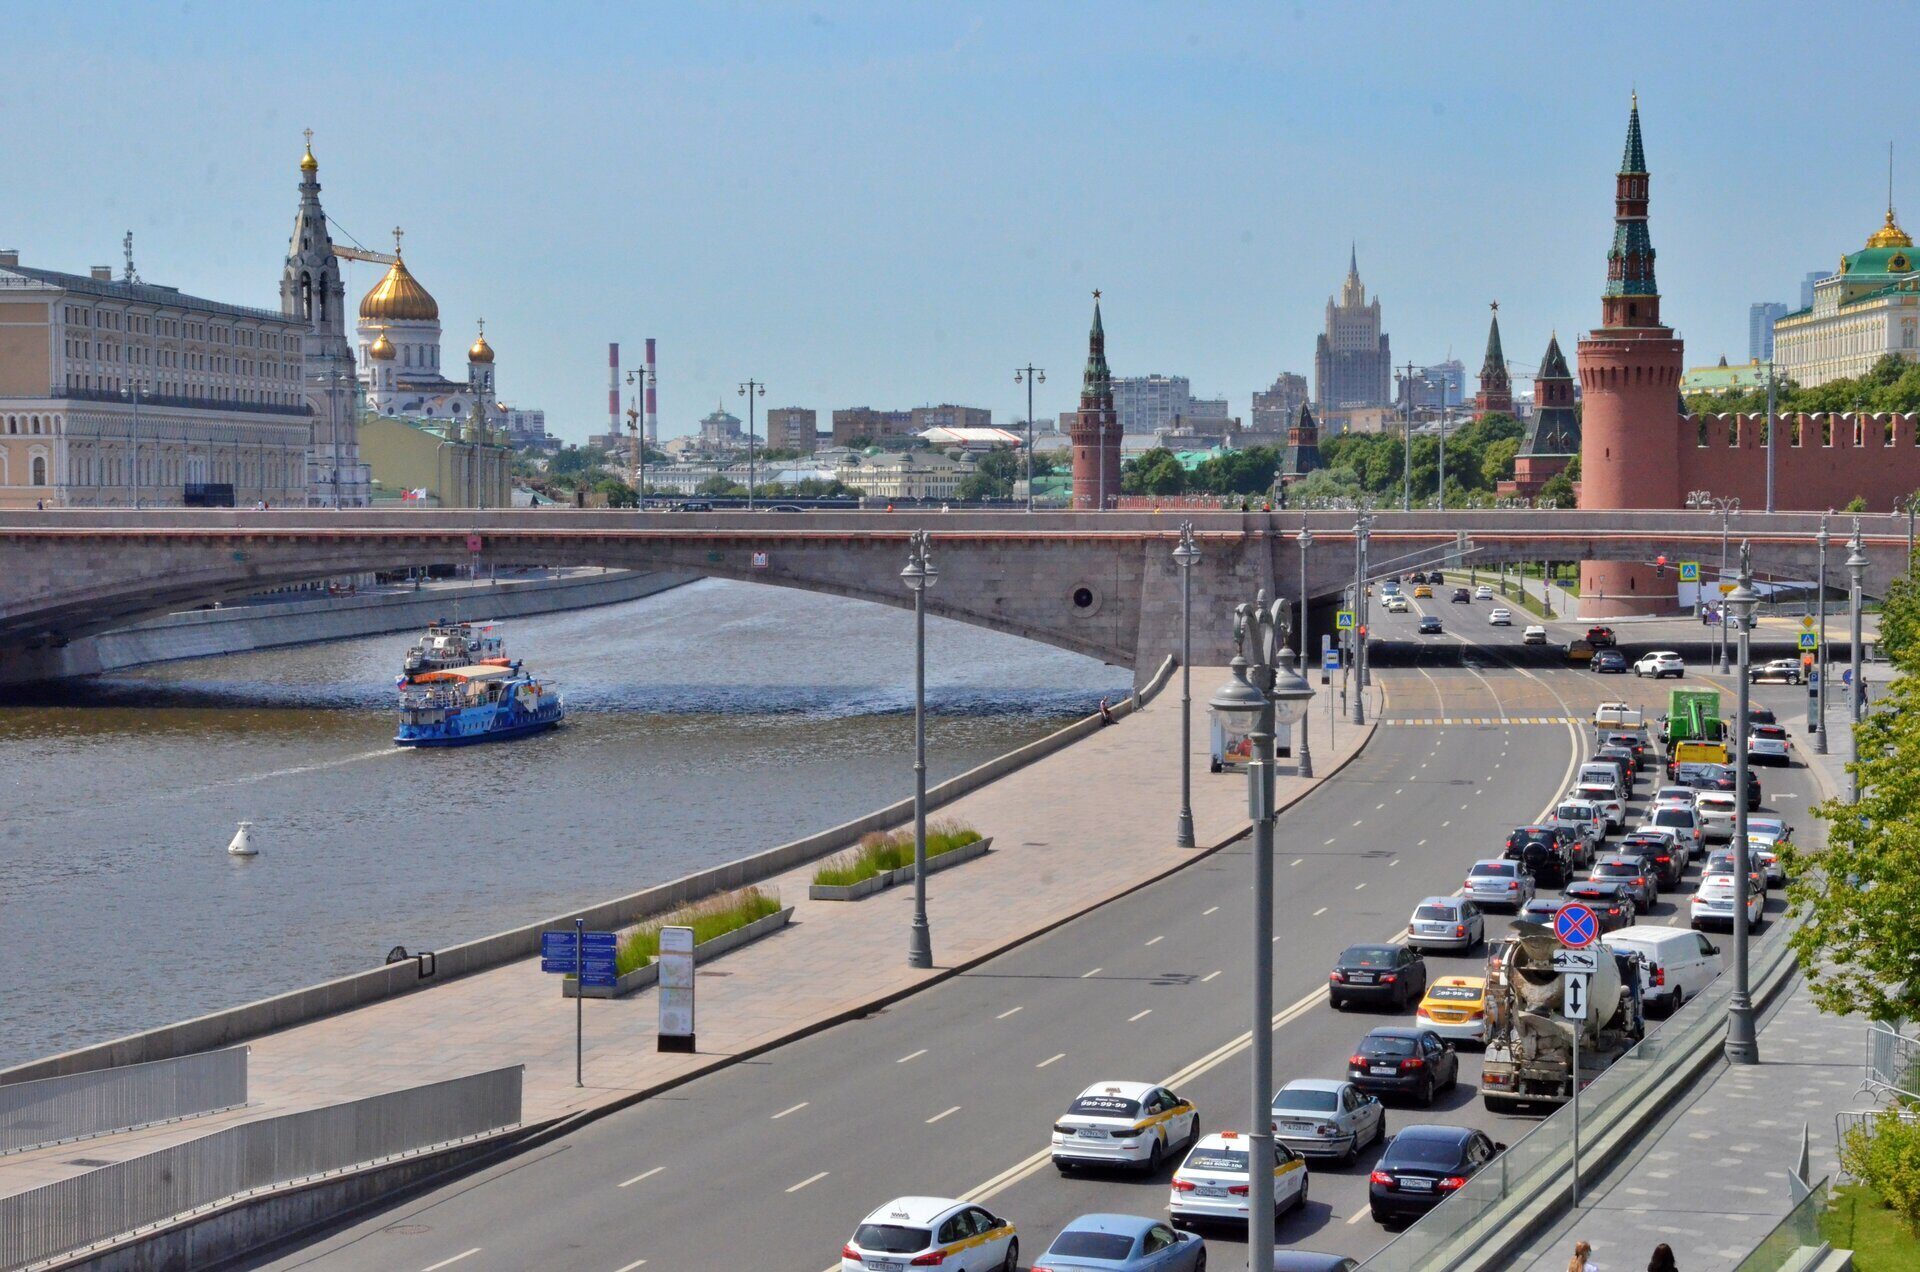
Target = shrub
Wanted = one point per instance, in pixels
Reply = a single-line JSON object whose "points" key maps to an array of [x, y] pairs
{"points": [[1884, 1154], [881, 851], [713, 917]]}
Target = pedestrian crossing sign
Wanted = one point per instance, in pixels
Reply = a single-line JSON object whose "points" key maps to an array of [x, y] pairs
{"points": [[1689, 571], [1809, 640], [1344, 620]]}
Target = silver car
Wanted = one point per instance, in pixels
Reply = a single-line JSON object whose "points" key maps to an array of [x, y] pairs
{"points": [[1498, 881], [1325, 1117], [1446, 923]]}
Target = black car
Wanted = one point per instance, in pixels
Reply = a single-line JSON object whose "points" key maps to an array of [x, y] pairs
{"points": [[1668, 868], [1461, 596], [1757, 714], [1429, 625], [1629, 762], [1721, 777], [1422, 1166], [1600, 637], [1609, 662], [1633, 742], [1398, 1060], [1574, 842], [1611, 903], [1520, 836], [1391, 974]]}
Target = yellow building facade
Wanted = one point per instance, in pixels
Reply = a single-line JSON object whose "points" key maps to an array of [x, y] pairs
{"points": [[438, 458]]}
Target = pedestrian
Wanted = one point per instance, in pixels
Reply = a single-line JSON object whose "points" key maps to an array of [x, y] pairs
{"points": [[40, 505], [1580, 1262], [1106, 713], [1662, 1260]]}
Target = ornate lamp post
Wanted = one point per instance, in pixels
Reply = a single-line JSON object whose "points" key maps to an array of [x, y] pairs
{"points": [[1186, 555], [1262, 694], [1817, 700], [1705, 501], [1305, 753], [919, 575], [1856, 697], [749, 390], [1743, 1042], [1031, 375]]}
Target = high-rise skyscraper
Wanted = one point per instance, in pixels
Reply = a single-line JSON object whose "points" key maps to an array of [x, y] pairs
{"points": [[1351, 364], [1760, 316], [1806, 286]]}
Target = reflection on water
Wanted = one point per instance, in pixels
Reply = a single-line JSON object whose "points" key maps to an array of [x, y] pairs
{"points": [[704, 723]]}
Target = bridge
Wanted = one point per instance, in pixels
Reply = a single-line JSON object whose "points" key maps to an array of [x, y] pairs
{"points": [[1098, 583]]}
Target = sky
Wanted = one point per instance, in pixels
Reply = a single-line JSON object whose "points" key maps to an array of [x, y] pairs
{"points": [[896, 204]]}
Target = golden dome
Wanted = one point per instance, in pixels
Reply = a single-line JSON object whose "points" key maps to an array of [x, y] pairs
{"points": [[1890, 235], [381, 348], [398, 297], [480, 350], [307, 162]]}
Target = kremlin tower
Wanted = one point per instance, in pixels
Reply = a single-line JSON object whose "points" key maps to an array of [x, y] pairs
{"points": [[1496, 387], [1630, 382], [1096, 428]]}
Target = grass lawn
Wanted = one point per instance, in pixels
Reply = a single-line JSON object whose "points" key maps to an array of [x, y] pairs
{"points": [[1859, 1221], [881, 852]]}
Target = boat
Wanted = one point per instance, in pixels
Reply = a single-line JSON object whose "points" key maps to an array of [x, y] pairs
{"points": [[445, 645], [483, 702]]}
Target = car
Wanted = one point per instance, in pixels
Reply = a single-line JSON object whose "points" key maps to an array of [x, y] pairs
{"points": [[1757, 714], [1422, 1166], [1483, 593], [1606, 797], [1499, 881], [1661, 663], [1721, 777], [1725, 861], [1611, 901], [1395, 604], [1783, 670], [1533, 634], [1628, 758], [1575, 846], [1429, 625], [1455, 1008], [1713, 903], [1540, 910], [1684, 820], [1589, 818], [1325, 1117], [1134, 1124], [1615, 867], [1679, 963], [1391, 974], [1768, 744], [1579, 651], [1600, 637], [1461, 596], [1423, 592], [1446, 923], [1122, 1243], [925, 1231], [1390, 587], [1609, 770], [1765, 836], [1212, 1183], [1717, 811], [1500, 618], [1633, 742], [1609, 662], [1398, 1060], [1669, 855], [1312, 1261], [1681, 795]]}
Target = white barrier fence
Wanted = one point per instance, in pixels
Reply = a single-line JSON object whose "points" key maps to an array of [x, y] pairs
{"points": [[79, 1105]]}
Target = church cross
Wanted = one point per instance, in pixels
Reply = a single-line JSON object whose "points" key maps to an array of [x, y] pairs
{"points": [[308, 134], [397, 232]]}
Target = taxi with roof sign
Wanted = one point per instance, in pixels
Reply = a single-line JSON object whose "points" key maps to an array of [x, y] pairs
{"points": [[1123, 1124], [1212, 1183], [924, 1232]]}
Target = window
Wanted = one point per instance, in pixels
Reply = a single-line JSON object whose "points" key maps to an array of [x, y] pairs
{"points": [[1158, 1238], [39, 470]]}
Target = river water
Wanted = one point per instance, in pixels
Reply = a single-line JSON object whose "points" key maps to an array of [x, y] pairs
{"points": [[704, 723]]}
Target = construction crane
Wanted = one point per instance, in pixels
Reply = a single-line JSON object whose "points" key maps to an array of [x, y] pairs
{"points": [[362, 254]]}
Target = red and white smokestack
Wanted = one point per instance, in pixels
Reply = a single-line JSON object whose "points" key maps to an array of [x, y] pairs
{"points": [[613, 388], [652, 422]]}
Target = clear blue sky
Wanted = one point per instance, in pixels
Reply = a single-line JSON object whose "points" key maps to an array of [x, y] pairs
{"points": [[892, 204]]}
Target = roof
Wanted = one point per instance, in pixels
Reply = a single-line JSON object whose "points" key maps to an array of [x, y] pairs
{"points": [[1314, 1084], [1119, 1225], [465, 674], [1127, 1090], [1462, 982], [977, 436], [1880, 260], [1431, 1131], [141, 293], [1634, 159], [915, 1210]]}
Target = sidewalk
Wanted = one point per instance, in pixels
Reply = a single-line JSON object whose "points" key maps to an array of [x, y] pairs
{"points": [[1082, 826]]}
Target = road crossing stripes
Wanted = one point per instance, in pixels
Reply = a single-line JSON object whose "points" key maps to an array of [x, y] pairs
{"points": [[1415, 722]]}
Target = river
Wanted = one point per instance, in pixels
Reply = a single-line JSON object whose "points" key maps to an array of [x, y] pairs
{"points": [[704, 723]]}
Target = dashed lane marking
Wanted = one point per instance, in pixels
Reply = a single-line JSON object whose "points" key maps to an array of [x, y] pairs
{"points": [[937, 1116], [1322, 910], [1156, 940], [447, 1263], [912, 1055], [1209, 910], [1140, 1015], [1209, 976], [1296, 861], [795, 1109], [645, 1174], [1360, 885], [1095, 972], [810, 1179], [1008, 1012], [637, 1263], [1050, 1059], [1358, 1215]]}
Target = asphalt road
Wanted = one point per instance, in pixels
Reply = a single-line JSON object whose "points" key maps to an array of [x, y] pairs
{"points": [[770, 1164]]}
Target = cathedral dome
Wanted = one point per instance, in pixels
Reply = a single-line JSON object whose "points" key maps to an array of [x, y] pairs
{"points": [[1890, 235], [399, 296], [381, 348], [480, 351], [307, 162]]}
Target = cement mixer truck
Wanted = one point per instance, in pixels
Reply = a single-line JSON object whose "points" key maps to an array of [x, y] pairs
{"points": [[1529, 1055]]}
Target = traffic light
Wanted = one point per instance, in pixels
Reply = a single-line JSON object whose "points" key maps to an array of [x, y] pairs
{"points": [[1660, 567]]}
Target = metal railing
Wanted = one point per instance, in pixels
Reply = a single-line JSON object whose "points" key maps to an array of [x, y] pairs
{"points": [[79, 1105], [1794, 1238], [1847, 1121], [1465, 1230], [112, 1201], [1891, 1058]]}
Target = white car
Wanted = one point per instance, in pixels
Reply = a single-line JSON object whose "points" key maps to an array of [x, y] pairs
{"points": [[1213, 1182], [1716, 815], [1764, 835], [1483, 593], [1606, 797], [1326, 1117], [1680, 795], [1534, 634], [1500, 618], [1123, 1124], [1684, 820], [1768, 744], [1395, 604], [914, 1232], [1660, 663], [1713, 901]]}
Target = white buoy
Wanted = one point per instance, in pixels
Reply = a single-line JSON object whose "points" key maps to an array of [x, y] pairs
{"points": [[242, 844]]}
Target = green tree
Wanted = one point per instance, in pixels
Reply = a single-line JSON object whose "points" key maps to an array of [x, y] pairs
{"points": [[1155, 472], [1558, 488], [718, 485], [1856, 504], [1496, 462], [1861, 942], [619, 494], [1247, 472]]}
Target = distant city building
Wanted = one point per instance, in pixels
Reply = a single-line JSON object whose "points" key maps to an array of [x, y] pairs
{"points": [[854, 423], [1806, 287], [1276, 408], [1358, 419], [907, 475], [1351, 362], [525, 430], [947, 415], [972, 439], [399, 337], [435, 463], [1722, 378], [1553, 429], [1866, 311], [794, 428], [721, 430], [1760, 319], [1439, 386], [1148, 403]]}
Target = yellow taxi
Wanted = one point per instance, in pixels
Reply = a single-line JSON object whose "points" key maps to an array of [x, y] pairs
{"points": [[1422, 591], [915, 1232], [1455, 1007]]}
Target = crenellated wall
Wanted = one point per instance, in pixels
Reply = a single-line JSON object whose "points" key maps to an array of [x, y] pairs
{"points": [[1823, 460]]}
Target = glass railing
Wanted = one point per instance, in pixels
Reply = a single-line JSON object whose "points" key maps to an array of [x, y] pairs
{"points": [[1798, 1232], [1473, 1227]]}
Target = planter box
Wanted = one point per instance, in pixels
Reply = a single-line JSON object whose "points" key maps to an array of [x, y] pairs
{"points": [[881, 882], [642, 977]]}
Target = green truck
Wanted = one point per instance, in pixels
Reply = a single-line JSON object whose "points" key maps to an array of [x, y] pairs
{"points": [[1692, 730]]}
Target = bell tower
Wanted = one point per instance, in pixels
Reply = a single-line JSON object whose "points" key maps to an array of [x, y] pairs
{"points": [[312, 290], [1096, 427]]}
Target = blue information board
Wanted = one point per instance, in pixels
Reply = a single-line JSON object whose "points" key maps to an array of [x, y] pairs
{"points": [[557, 950], [1330, 660]]}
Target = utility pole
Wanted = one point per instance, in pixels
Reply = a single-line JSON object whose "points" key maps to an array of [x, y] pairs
{"points": [[749, 390], [1406, 440], [1773, 433], [1030, 375]]}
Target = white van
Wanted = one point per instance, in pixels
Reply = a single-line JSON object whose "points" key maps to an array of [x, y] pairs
{"points": [[1602, 774], [1680, 962]]}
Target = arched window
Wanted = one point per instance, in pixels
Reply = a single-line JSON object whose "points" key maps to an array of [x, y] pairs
{"points": [[306, 296], [39, 470]]}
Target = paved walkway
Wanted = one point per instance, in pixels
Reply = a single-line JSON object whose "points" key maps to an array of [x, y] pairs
{"points": [[1082, 826]]}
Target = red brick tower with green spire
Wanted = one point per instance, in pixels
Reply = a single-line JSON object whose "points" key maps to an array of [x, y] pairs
{"points": [[1630, 380], [1096, 427]]}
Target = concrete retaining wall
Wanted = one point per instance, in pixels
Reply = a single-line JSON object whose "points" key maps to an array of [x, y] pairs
{"points": [[270, 625], [223, 1028]]}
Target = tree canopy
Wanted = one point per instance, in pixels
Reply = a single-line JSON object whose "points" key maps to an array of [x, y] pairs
{"points": [[996, 471], [1893, 384]]}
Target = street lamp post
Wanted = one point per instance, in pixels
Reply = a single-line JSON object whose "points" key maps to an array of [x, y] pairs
{"points": [[1856, 696], [1908, 504], [1707, 501], [1743, 1042], [919, 575], [1186, 555], [1031, 375], [1305, 753], [749, 390], [133, 388], [1261, 695], [1359, 619], [638, 379], [1817, 701]]}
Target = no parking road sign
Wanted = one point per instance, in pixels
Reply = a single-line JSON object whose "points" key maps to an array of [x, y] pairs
{"points": [[1576, 925]]}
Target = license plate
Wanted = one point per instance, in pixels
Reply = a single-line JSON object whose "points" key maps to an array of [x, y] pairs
{"points": [[1415, 1184], [1383, 1070], [1093, 1135], [1363, 978], [1209, 1192], [1297, 1126], [886, 1265], [1435, 929]]}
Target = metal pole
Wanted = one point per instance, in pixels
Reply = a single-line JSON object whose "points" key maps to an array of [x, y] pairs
{"points": [[579, 1000], [920, 946], [1743, 1041], [1856, 697], [1773, 431], [1817, 707], [748, 390], [1304, 756], [1726, 511], [1366, 604], [1185, 555], [1578, 1025], [1260, 1137], [134, 385], [1442, 489], [1359, 643]]}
